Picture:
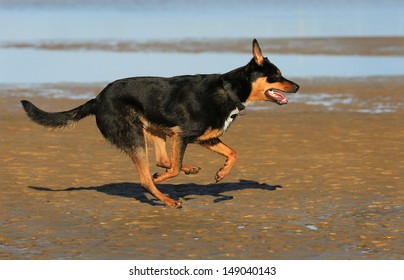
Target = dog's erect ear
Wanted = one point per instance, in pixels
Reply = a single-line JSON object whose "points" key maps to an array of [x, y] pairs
{"points": [[256, 50]]}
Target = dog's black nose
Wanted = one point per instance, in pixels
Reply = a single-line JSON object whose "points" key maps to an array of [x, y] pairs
{"points": [[296, 87]]}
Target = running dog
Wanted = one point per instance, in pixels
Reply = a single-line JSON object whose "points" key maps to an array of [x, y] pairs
{"points": [[186, 109]]}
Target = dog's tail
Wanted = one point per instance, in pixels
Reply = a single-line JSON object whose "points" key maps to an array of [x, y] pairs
{"points": [[59, 119]]}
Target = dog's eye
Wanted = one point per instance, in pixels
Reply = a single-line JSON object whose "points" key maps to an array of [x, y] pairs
{"points": [[278, 75], [274, 78]]}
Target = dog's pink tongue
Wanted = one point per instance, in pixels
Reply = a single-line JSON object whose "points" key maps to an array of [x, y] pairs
{"points": [[277, 97]]}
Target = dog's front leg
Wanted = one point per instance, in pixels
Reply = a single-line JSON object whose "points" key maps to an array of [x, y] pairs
{"points": [[178, 146], [217, 146]]}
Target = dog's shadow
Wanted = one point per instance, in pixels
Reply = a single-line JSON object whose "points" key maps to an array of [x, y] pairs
{"points": [[181, 191]]}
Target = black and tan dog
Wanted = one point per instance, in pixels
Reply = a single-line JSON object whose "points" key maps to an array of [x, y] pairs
{"points": [[187, 109]]}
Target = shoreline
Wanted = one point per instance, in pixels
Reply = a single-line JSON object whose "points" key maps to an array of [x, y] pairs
{"points": [[363, 46]]}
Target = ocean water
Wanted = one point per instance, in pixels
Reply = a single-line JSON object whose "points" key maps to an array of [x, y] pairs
{"points": [[59, 66]]}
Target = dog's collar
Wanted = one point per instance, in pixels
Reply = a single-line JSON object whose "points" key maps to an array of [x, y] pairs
{"points": [[234, 97]]}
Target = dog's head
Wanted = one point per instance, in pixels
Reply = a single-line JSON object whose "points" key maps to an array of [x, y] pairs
{"points": [[267, 82]]}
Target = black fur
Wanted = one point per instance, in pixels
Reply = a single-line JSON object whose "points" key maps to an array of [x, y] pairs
{"points": [[59, 119]]}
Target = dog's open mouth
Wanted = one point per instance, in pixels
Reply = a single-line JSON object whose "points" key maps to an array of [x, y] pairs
{"points": [[276, 95]]}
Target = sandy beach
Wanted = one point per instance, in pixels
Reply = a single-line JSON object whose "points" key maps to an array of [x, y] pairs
{"points": [[311, 182]]}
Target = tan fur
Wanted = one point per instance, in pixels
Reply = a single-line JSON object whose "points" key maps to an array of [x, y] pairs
{"points": [[210, 133], [261, 85]]}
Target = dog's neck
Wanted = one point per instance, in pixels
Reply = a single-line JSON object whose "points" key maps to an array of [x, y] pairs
{"points": [[234, 96], [237, 85]]}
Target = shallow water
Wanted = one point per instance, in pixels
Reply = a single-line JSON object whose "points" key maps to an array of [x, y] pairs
{"points": [[42, 66]]}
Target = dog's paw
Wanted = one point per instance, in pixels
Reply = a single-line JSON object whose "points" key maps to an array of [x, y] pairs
{"points": [[174, 203], [156, 175], [189, 169], [220, 175], [159, 177]]}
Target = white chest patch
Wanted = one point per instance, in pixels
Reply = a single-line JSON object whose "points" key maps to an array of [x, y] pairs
{"points": [[232, 116]]}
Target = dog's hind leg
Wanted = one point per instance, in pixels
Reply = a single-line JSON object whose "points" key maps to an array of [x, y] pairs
{"points": [[127, 133], [138, 154], [219, 147], [158, 140], [162, 160], [177, 153], [139, 157]]}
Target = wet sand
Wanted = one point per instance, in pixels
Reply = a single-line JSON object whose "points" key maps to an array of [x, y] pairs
{"points": [[386, 46], [310, 183]]}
